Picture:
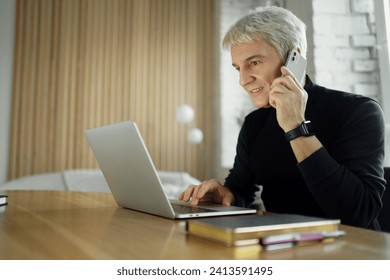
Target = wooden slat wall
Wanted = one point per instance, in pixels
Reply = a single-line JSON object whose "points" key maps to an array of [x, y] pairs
{"points": [[85, 63]]}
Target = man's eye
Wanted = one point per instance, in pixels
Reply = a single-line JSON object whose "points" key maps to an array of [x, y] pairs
{"points": [[255, 63]]}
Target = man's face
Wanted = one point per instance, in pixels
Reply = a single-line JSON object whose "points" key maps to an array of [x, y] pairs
{"points": [[258, 64]]}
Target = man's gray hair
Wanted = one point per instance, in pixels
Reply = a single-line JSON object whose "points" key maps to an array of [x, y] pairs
{"points": [[277, 26]]}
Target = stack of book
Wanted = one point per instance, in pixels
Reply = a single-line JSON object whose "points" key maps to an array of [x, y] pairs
{"points": [[3, 202], [3, 199], [270, 230]]}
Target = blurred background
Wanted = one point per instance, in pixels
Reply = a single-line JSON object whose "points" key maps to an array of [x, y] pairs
{"points": [[66, 66]]}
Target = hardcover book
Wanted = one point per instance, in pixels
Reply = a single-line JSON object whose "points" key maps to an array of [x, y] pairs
{"points": [[247, 230], [3, 199]]}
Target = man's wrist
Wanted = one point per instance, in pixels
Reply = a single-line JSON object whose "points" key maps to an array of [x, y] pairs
{"points": [[305, 129]]}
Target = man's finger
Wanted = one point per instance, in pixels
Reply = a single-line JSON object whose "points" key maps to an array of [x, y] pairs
{"points": [[186, 195]]}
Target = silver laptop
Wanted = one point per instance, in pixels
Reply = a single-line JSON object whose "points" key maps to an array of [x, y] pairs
{"points": [[133, 179]]}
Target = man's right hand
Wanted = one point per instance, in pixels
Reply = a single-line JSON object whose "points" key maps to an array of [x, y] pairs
{"points": [[210, 190]]}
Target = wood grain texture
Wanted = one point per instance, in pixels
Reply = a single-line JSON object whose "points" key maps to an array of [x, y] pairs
{"points": [[80, 225], [80, 64]]}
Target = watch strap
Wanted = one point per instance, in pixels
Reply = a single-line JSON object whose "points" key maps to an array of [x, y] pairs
{"points": [[304, 129]]}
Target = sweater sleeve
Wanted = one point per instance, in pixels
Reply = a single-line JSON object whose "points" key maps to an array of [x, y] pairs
{"points": [[347, 179], [240, 180]]}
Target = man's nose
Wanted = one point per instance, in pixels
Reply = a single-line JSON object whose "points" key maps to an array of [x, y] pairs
{"points": [[246, 77]]}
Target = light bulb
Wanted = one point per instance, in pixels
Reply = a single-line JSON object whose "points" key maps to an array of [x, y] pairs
{"points": [[184, 114], [195, 136]]}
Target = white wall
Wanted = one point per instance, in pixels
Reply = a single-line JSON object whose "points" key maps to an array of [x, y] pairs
{"points": [[7, 31], [345, 46], [303, 9], [382, 18]]}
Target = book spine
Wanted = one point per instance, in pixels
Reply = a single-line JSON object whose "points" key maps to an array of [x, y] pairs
{"points": [[3, 200]]}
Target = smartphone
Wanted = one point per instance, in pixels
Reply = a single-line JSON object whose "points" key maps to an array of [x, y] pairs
{"points": [[296, 63]]}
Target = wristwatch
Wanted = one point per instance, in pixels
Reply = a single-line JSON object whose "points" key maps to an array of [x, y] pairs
{"points": [[304, 129]]}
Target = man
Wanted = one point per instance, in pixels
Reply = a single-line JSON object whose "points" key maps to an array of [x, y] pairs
{"points": [[314, 150]]}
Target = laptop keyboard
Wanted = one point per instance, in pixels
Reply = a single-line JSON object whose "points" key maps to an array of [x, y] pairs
{"points": [[184, 209]]}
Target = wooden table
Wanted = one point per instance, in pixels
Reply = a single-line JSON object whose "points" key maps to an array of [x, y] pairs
{"points": [[74, 225]]}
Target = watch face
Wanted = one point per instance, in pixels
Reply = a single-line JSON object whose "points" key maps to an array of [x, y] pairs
{"points": [[307, 128]]}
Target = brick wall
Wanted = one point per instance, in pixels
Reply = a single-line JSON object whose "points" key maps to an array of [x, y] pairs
{"points": [[345, 55]]}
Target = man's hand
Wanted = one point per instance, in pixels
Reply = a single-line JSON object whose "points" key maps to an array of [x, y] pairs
{"points": [[289, 99], [210, 190]]}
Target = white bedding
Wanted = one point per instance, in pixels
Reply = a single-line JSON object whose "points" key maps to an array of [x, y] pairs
{"points": [[92, 180]]}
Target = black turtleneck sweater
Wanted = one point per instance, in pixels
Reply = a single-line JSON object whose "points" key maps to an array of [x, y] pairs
{"points": [[343, 180]]}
